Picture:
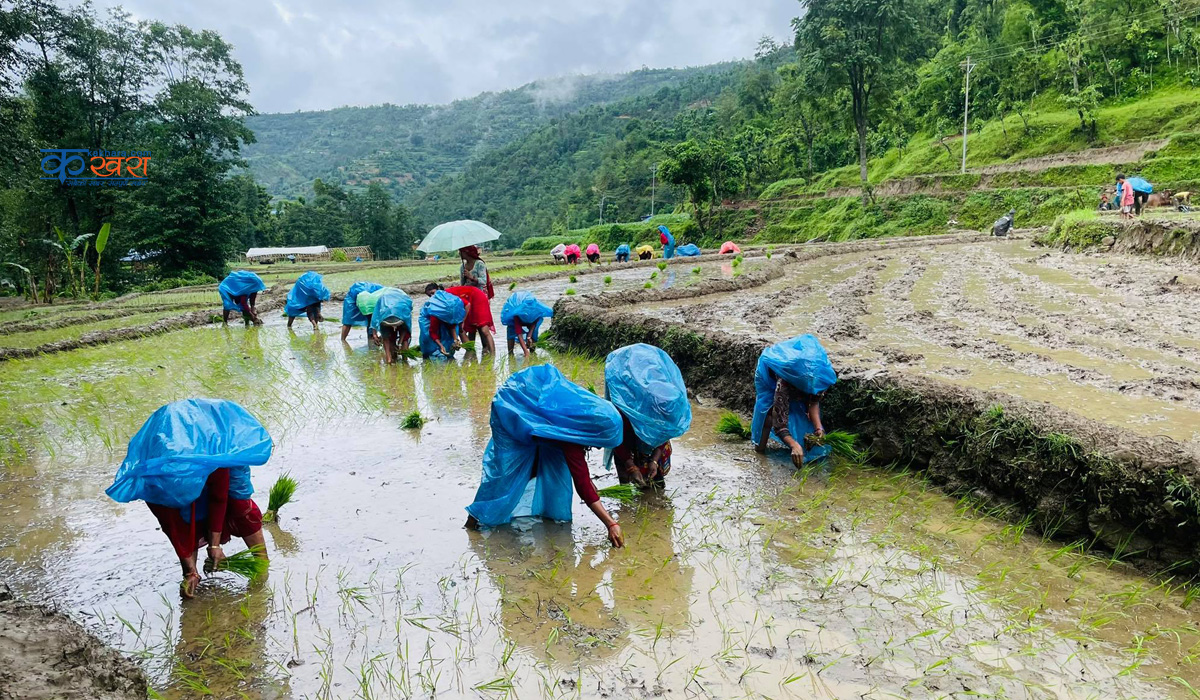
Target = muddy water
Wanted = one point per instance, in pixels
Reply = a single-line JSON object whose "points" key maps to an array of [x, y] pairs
{"points": [[743, 578], [1108, 336]]}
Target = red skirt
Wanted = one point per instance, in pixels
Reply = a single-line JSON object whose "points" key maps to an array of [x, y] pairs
{"points": [[242, 519], [480, 313]]}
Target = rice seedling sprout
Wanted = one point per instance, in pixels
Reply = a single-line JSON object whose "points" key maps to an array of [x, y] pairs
{"points": [[731, 424], [696, 270], [648, 285], [246, 563], [469, 346], [572, 278], [662, 266], [281, 494], [570, 291], [608, 279], [512, 286], [413, 421], [625, 493]]}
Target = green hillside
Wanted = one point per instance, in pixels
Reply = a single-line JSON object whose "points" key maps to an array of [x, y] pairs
{"points": [[404, 148]]}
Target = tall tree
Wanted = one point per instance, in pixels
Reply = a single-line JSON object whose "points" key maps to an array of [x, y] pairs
{"points": [[858, 43]]}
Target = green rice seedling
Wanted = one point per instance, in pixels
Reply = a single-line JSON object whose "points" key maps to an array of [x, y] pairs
{"points": [[413, 353], [841, 443], [696, 270], [648, 285], [281, 494], [625, 493], [512, 286], [544, 335], [246, 563], [653, 275], [572, 278], [570, 291], [592, 388], [608, 279], [731, 424], [469, 346], [413, 421], [662, 266]]}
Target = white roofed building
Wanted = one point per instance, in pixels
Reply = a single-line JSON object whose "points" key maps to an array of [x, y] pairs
{"points": [[307, 253]]}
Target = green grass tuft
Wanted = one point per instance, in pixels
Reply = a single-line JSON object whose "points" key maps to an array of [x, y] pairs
{"points": [[662, 266], [413, 421], [653, 275], [731, 424], [696, 270], [625, 493]]}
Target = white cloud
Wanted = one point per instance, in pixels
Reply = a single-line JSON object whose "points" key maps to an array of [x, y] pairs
{"points": [[315, 54]]}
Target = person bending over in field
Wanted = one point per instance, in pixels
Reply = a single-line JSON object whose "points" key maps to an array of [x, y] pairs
{"points": [[305, 298], [239, 292], [391, 321], [647, 388], [789, 382], [351, 315], [479, 315], [179, 463], [542, 424], [522, 317]]}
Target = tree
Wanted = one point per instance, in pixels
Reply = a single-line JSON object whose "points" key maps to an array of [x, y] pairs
{"points": [[707, 171], [857, 42]]}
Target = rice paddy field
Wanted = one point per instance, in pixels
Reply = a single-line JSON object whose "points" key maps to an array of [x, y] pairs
{"points": [[744, 577]]}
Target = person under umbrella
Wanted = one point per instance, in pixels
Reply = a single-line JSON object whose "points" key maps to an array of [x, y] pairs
{"points": [[473, 271]]}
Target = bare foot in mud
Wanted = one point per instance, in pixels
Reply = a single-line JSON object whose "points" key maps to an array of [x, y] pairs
{"points": [[472, 523]]}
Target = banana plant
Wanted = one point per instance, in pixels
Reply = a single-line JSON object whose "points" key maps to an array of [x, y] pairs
{"points": [[68, 250], [29, 278], [101, 244]]}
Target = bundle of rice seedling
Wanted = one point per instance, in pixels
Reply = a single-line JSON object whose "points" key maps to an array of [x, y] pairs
{"points": [[648, 285], [281, 494], [731, 424], [413, 421], [512, 286], [841, 443], [625, 493], [469, 346], [608, 279], [544, 335], [572, 278], [653, 275], [246, 563], [412, 353], [570, 291], [662, 266], [696, 270]]}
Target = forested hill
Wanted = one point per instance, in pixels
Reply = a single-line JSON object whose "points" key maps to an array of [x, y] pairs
{"points": [[404, 148]]}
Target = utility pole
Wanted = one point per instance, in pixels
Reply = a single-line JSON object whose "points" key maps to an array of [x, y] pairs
{"points": [[968, 66], [602, 209], [653, 178]]}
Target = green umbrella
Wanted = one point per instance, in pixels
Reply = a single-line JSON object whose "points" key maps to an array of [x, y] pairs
{"points": [[453, 235]]}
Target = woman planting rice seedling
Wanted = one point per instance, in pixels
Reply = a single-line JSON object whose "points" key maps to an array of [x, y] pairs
{"points": [[593, 253], [572, 253], [646, 387], [668, 241], [239, 292], [645, 252], [623, 253], [190, 462], [391, 322], [790, 379], [351, 315], [439, 320], [522, 316], [305, 299], [479, 315], [541, 425]]}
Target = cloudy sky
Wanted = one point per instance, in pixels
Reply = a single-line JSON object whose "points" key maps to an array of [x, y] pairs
{"points": [[316, 54]]}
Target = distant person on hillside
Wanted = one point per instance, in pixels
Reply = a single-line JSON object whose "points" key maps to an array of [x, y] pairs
{"points": [[473, 272], [1124, 197], [559, 253], [623, 253], [593, 253], [1004, 224], [351, 316], [239, 292], [645, 252], [1105, 202]]}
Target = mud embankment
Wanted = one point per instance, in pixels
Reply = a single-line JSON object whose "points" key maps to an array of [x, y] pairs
{"points": [[1162, 237], [1074, 478], [44, 654]]}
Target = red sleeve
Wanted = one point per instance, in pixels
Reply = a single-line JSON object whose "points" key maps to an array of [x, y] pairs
{"points": [[579, 473], [218, 499], [244, 302], [435, 327]]}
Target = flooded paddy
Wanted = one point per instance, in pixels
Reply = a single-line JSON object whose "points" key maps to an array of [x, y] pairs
{"points": [[1111, 337], [744, 578]]}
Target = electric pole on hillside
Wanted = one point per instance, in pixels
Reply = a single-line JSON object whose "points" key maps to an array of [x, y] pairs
{"points": [[968, 66], [653, 178], [602, 209]]}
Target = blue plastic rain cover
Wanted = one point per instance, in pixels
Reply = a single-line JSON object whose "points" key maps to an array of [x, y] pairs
{"points": [[238, 283], [804, 364], [646, 386], [448, 309], [1140, 185], [351, 316], [173, 453], [393, 304], [535, 405], [523, 307], [668, 241], [690, 250], [307, 290], [623, 249]]}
